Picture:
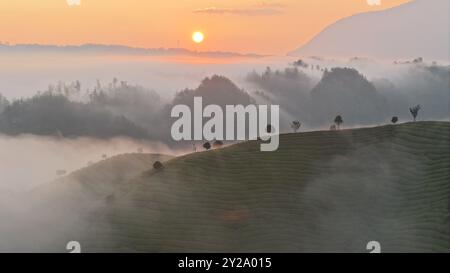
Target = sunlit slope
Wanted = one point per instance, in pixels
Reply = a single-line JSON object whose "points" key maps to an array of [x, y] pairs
{"points": [[321, 191]]}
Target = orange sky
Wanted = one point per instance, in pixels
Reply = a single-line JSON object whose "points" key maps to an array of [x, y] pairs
{"points": [[269, 27]]}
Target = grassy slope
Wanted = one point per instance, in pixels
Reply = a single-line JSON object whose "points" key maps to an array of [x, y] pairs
{"points": [[321, 191]]}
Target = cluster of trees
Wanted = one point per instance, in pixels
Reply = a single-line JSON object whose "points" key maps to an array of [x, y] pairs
{"points": [[302, 64], [214, 90], [288, 88], [106, 110], [142, 106], [134, 102], [55, 114]]}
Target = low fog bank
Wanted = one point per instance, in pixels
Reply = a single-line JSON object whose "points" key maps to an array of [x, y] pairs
{"points": [[27, 161], [44, 204]]}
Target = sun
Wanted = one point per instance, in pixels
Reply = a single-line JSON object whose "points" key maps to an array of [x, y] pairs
{"points": [[198, 37]]}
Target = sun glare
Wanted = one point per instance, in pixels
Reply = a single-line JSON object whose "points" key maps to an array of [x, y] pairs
{"points": [[198, 37]]}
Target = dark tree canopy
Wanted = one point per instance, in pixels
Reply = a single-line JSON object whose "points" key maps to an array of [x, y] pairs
{"points": [[301, 63], [207, 145], [158, 165], [415, 111], [215, 90], [50, 114], [338, 121], [296, 125], [288, 88]]}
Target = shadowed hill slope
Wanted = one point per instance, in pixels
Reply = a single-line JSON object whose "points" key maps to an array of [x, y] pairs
{"points": [[321, 191]]}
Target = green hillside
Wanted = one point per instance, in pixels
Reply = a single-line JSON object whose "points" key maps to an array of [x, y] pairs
{"points": [[321, 191]]}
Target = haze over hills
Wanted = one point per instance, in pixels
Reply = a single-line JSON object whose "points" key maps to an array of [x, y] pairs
{"points": [[419, 28]]}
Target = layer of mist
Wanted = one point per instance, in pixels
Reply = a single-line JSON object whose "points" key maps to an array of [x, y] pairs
{"points": [[27, 161]]}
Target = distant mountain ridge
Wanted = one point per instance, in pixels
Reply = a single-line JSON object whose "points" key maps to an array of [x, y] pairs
{"points": [[419, 28], [119, 50]]}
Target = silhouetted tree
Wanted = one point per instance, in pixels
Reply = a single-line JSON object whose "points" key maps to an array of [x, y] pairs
{"points": [[207, 145], [394, 120], [338, 120], [158, 165], [296, 125], [415, 111]]}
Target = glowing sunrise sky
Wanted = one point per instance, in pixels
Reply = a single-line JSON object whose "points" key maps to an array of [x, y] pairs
{"points": [[269, 27]]}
